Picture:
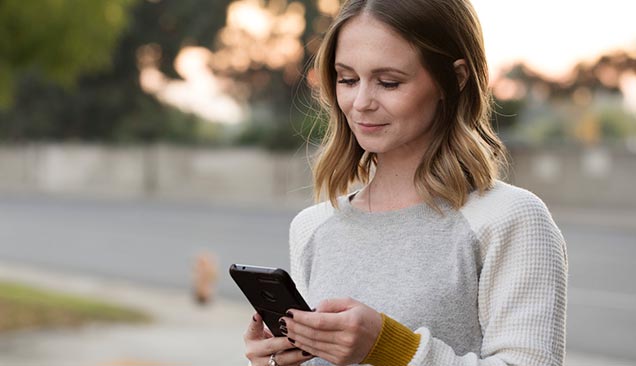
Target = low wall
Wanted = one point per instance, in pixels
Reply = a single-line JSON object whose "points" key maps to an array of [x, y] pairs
{"points": [[598, 176], [161, 171], [591, 177]]}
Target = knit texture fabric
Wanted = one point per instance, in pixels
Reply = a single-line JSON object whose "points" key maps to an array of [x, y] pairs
{"points": [[485, 285], [395, 345]]}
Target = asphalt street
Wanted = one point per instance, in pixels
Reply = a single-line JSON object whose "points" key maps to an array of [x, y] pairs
{"points": [[155, 243]]}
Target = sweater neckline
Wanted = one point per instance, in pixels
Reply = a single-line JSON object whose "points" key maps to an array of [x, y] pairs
{"points": [[345, 202]]}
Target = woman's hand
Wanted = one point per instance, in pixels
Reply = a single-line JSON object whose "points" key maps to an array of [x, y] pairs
{"points": [[260, 345], [341, 331]]}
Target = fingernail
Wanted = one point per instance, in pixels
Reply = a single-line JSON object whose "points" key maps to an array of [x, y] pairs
{"points": [[306, 354], [283, 330], [289, 314], [282, 322], [253, 318], [314, 309], [291, 340]]}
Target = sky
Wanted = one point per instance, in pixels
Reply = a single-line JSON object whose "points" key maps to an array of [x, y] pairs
{"points": [[554, 35]]}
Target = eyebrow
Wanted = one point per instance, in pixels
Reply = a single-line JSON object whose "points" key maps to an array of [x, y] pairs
{"points": [[374, 71]]}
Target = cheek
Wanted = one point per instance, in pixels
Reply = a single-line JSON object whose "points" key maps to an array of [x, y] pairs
{"points": [[418, 109], [344, 97]]}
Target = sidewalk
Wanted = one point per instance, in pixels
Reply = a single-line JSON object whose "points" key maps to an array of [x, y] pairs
{"points": [[183, 333]]}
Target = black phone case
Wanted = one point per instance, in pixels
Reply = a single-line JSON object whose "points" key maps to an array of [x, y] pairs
{"points": [[271, 291]]}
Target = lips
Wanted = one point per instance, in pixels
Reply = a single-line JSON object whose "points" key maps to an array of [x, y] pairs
{"points": [[371, 127], [372, 124]]}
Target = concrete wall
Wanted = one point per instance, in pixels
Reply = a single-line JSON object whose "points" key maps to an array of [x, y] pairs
{"points": [[593, 177], [229, 175], [585, 177]]}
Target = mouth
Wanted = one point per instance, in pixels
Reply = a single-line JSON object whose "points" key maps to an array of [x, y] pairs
{"points": [[371, 127], [365, 124]]}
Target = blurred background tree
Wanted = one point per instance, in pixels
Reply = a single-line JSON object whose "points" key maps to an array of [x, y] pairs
{"points": [[234, 72], [59, 39], [100, 99], [76, 76], [586, 107]]}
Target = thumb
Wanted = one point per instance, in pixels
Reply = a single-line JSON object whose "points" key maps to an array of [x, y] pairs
{"points": [[336, 305], [255, 329]]}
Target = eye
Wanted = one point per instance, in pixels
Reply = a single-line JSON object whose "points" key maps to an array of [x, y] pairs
{"points": [[389, 84], [348, 82]]}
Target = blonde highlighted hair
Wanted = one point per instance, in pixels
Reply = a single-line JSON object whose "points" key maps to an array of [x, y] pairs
{"points": [[464, 153]]}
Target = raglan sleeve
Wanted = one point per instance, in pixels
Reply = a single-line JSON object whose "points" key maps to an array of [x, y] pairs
{"points": [[301, 231], [522, 293], [297, 268]]}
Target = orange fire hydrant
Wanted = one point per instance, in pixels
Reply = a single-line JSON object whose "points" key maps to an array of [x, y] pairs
{"points": [[205, 277]]}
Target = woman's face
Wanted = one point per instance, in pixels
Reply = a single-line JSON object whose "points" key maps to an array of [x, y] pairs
{"points": [[388, 97]]}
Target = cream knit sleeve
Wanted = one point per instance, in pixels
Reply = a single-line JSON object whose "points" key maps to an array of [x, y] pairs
{"points": [[522, 284], [301, 230]]}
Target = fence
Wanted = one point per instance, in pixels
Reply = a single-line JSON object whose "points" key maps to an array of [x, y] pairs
{"points": [[565, 176]]}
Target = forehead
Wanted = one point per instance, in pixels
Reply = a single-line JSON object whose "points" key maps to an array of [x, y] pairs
{"points": [[365, 40]]}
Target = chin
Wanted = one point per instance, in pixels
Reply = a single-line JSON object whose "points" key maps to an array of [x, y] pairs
{"points": [[374, 144], [373, 148]]}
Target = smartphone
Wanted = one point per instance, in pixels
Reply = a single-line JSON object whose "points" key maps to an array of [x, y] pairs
{"points": [[271, 291]]}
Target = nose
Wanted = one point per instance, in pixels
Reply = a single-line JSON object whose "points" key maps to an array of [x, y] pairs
{"points": [[365, 98]]}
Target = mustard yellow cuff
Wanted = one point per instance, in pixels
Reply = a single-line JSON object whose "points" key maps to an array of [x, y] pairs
{"points": [[395, 346]]}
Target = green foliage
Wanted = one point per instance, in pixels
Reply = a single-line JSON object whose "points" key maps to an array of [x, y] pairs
{"points": [[106, 104], [68, 71], [551, 129], [26, 307], [282, 135], [289, 131], [506, 113], [154, 122], [565, 123], [61, 39], [616, 124], [109, 105], [585, 109]]}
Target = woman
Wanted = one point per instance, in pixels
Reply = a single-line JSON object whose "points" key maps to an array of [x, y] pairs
{"points": [[434, 261]]}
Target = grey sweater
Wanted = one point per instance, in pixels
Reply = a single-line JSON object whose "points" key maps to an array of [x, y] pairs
{"points": [[485, 285]]}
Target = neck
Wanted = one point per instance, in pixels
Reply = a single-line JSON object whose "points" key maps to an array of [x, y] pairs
{"points": [[392, 186]]}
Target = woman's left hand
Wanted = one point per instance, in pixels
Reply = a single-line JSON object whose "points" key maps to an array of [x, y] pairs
{"points": [[341, 331]]}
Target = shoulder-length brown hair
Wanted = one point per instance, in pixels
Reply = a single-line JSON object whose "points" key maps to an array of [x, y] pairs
{"points": [[464, 153]]}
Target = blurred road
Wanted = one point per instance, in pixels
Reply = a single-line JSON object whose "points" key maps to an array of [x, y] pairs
{"points": [[155, 243]]}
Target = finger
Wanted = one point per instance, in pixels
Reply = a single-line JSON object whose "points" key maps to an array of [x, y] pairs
{"points": [[337, 305], [292, 357], [296, 330], [268, 333], [316, 320], [313, 350], [320, 349], [268, 347], [255, 329]]}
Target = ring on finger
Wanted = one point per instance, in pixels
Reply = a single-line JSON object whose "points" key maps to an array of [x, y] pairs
{"points": [[272, 360]]}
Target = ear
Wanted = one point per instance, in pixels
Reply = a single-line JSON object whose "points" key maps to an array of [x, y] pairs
{"points": [[461, 69]]}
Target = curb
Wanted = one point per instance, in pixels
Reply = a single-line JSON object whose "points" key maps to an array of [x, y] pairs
{"points": [[183, 334]]}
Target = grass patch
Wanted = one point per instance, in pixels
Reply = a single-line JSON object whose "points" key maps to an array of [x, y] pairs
{"points": [[24, 307]]}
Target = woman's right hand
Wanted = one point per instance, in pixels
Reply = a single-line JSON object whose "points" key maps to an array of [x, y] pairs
{"points": [[260, 345]]}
